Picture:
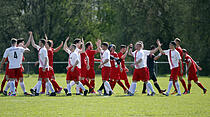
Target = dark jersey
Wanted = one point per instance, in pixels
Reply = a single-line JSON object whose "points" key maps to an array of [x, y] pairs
{"points": [[151, 62]]}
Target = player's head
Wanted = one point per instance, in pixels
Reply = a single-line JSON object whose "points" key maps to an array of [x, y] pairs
{"points": [[184, 52], [152, 47], [123, 48], [104, 45], [138, 46], [89, 45], [42, 42], [77, 42], [172, 45], [72, 47], [48, 44], [177, 41], [113, 48], [13, 42], [20, 42]]}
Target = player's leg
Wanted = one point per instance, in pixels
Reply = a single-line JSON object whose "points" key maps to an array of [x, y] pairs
{"points": [[50, 87], [12, 86], [81, 86], [3, 83], [68, 92], [144, 88], [154, 78], [189, 85], [149, 87], [201, 86], [38, 86], [122, 85], [181, 79], [136, 78], [57, 88], [43, 86], [100, 89]]}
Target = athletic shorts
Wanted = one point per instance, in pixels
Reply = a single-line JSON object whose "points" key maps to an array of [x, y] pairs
{"points": [[51, 73], [105, 73], [83, 73], [179, 70], [114, 74], [14, 73], [141, 74], [43, 74], [192, 76], [123, 75], [91, 73], [73, 75], [174, 73]]}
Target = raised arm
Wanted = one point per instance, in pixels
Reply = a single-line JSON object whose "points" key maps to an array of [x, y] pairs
{"points": [[157, 57], [126, 53], [83, 46], [130, 50], [29, 40], [98, 44], [33, 43], [59, 47], [65, 47], [159, 47]]}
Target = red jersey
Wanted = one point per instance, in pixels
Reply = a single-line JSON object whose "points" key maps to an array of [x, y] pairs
{"points": [[179, 49], [113, 62], [120, 54], [188, 59], [91, 54], [83, 60], [50, 53]]}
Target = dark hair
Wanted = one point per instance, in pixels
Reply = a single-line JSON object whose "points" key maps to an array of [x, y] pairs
{"points": [[74, 46], [105, 44], [173, 43], [49, 43], [184, 50], [43, 41], [178, 40], [20, 40], [87, 44], [77, 40], [152, 47], [122, 46], [13, 41]]}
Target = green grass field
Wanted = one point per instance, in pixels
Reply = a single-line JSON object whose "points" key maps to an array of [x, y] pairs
{"points": [[118, 105]]}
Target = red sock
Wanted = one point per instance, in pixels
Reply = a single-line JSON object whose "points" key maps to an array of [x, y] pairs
{"points": [[189, 87], [92, 83], [122, 85], [112, 83], [43, 85], [127, 83], [83, 82], [55, 85], [174, 86], [87, 83], [184, 84], [200, 85], [3, 83]]}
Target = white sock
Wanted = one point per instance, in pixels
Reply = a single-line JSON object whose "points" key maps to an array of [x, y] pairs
{"points": [[35, 87], [69, 87], [169, 86], [107, 89], [47, 88], [77, 88], [39, 84], [7, 86], [12, 86], [148, 89], [178, 87], [133, 87], [81, 86], [150, 86], [106, 83], [22, 86], [72, 83], [50, 87]]}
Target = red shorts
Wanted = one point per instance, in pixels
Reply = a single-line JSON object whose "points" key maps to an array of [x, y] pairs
{"points": [[141, 74], [15, 73], [114, 74], [179, 70], [174, 73], [91, 73], [6, 72], [43, 74], [51, 73], [192, 76], [105, 73], [123, 75], [73, 75], [83, 73]]}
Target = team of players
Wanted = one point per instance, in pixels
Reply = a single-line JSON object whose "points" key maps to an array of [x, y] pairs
{"points": [[113, 70]]}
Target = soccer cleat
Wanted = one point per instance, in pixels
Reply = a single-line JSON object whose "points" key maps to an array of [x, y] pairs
{"points": [[5, 93], [47, 94], [100, 92], [178, 94], [27, 94], [53, 94], [161, 91], [68, 94], [77, 93], [93, 92], [130, 94], [204, 91], [1, 92], [42, 92], [32, 91], [148, 94], [65, 90], [9, 93], [153, 94], [166, 94], [13, 95], [59, 91], [185, 92], [188, 91], [36, 94], [143, 92], [85, 92], [174, 92], [90, 90], [110, 93]]}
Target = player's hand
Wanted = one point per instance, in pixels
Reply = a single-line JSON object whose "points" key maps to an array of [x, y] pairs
{"points": [[88, 67], [50, 67], [126, 69], [158, 42], [67, 67], [72, 69], [199, 68], [36, 63], [30, 32], [44, 69], [45, 35], [23, 68], [100, 66]]}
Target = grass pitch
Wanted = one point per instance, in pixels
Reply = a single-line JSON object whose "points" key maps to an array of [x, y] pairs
{"points": [[118, 105]]}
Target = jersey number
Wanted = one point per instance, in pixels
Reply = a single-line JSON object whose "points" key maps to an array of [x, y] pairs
{"points": [[15, 55]]}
